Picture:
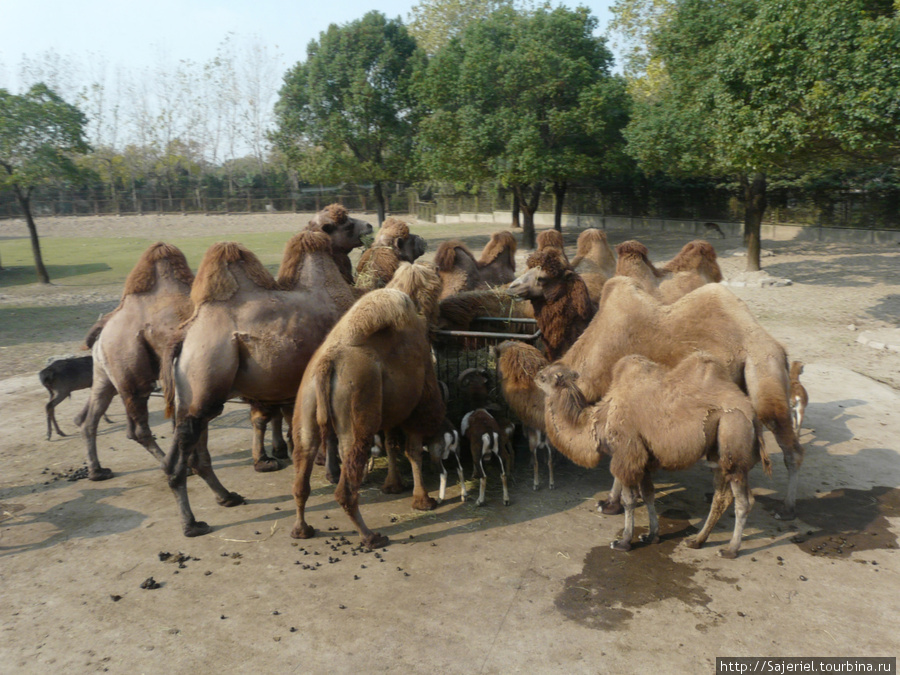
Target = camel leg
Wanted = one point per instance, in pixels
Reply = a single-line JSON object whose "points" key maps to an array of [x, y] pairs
{"points": [[332, 456], [138, 415], [306, 447], [393, 483], [743, 502], [347, 491], [259, 419], [534, 443], [612, 506], [281, 448], [549, 448], [421, 501], [792, 452], [648, 494], [187, 435], [102, 393], [201, 463], [721, 500], [629, 500]]}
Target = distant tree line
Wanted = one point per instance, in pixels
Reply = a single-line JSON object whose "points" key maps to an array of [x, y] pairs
{"points": [[764, 104]]}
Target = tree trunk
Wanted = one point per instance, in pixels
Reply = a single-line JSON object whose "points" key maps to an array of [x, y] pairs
{"points": [[559, 191], [516, 208], [529, 204], [25, 202], [379, 201], [754, 208]]}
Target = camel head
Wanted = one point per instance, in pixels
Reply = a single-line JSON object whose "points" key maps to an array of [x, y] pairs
{"points": [[555, 376], [346, 233], [547, 272]]}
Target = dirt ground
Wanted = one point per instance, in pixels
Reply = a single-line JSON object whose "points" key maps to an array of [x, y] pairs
{"points": [[532, 587]]}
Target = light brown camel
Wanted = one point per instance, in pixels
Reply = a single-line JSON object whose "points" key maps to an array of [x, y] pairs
{"points": [[373, 372], [346, 234], [653, 417], [128, 345], [694, 266], [248, 337], [393, 244], [518, 364], [560, 298], [711, 319], [458, 268], [497, 262], [593, 254]]}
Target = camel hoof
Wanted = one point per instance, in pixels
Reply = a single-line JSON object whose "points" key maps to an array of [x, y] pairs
{"points": [[196, 529], [331, 478], [692, 543], [647, 539], [303, 531], [425, 503], [100, 474], [233, 499], [728, 554], [785, 513], [393, 488], [620, 545], [280, 453], [320, 459], [608, 508], [375, 540], [266, 465]]}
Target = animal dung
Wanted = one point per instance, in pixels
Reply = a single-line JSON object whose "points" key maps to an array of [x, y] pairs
{"points": [[150, 584]]}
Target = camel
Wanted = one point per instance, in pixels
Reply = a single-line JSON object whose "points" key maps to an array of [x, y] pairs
{"points": [[653, 417], [593, 254], [694, 266], [374, 372], [393, 244], [458, 268], [128, 345], [552, 239], [497, 262], [346, 234], [518, 364], [710, 318], [561, 302], [248, 337], [458, 311]]}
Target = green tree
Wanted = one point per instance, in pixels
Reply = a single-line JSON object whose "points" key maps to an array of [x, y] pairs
{"points": [[434, 22], [525, 98], [761, 88], [39, 134], [346, 113]]}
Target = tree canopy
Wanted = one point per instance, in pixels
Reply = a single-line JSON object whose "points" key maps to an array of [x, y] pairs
{"points": [[39, 134], [433, 23], [346, 113], [525, 98]]}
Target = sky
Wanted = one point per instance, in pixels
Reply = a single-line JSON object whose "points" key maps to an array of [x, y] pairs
{"points": [[135, 34]]}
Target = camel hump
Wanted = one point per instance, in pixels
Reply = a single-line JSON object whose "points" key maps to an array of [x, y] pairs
{"points": [[697, 255], [500, 242], [587, 240], [423, 284], [519, 359], [302, 244], [378, 310], [551, 239], [216, 281], [551, 260], [333, 214], [142, 279], [445, 256], [391, 230]]}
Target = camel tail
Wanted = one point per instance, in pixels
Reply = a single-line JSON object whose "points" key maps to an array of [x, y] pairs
{"points": [[167, 374], [324, 372]]}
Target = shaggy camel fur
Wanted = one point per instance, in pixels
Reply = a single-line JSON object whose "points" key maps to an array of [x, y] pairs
{"points": [[128, 345], [518, 364], [346, 234], [458, 268], [562, 304], [593, 254], [457, 312], [799, 397], [552, 239], [393, 244], [711, 319], [694, 266], [247, 337], [373, 372], [497, 262], [656, 418]]}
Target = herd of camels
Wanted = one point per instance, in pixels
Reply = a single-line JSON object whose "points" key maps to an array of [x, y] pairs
{"points": [[654, 367]]}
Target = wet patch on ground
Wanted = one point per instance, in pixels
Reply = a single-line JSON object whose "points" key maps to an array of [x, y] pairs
{"points": [[845, 521], [614, 584]]}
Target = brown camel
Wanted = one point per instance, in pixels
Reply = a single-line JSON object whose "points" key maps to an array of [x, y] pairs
{"points": [[458, 268], [346, 234], [393, 244], [561, 302], [694, 266], [128, 345], [653, 417], [248, 337], [497, 262], [712, 319], [374, 372], [552, 239], [518, 364]]}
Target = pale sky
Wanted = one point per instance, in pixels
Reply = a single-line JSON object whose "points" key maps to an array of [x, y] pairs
{"points": [[136, 33]]}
